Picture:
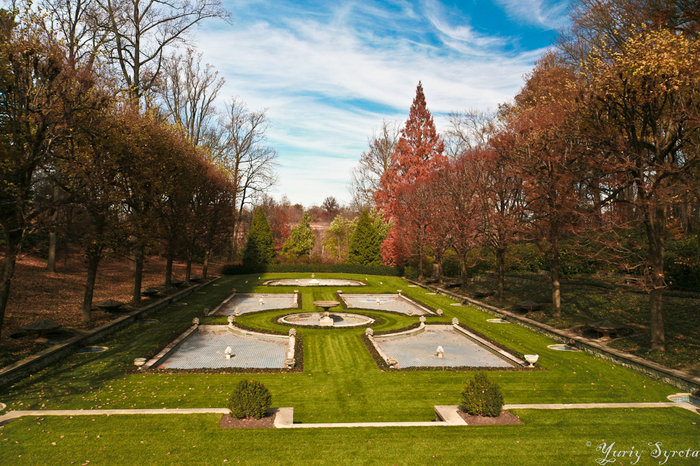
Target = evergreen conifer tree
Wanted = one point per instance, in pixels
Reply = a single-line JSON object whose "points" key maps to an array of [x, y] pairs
{"points": [[260, 248], [366, 242], [301, 240]]}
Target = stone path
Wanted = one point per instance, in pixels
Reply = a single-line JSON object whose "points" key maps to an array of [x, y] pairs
{"points": [[285, 416]]}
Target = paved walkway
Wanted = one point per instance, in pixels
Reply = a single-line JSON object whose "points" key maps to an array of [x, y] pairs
{"points": [[285, 416]]}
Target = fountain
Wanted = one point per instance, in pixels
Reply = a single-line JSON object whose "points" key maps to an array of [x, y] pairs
{"points": [[228, 352], [440, 352], [326, 320]]}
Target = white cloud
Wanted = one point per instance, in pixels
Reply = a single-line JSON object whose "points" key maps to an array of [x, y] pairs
{"points": [[326, 84], [547, 14]]}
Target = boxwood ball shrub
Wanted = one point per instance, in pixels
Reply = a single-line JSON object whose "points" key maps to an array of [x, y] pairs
{"points": [[482, 397], [250, 398]]}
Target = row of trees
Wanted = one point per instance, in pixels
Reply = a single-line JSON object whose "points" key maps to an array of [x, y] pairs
{"points": [[110, 135], [600, 146]]}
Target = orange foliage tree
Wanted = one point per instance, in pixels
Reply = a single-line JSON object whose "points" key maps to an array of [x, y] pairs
{"points": [[418, 153]]}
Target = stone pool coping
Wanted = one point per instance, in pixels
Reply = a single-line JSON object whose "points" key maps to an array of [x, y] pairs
{"points": [[282, 320], [34, 363], [657, 371]]}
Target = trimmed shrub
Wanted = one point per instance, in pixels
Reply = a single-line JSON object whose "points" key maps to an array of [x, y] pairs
{"points": [[482, 397], [250, 399]]}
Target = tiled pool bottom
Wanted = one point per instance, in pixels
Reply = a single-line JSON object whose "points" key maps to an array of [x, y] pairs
{"points": [[419, 349], [384, 302], [205, 349], [246, 303]]}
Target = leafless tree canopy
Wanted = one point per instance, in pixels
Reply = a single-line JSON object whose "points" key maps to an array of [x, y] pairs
{"points": [[468, 130], [188, 91], [241, 147], [140, 32], [373, 163]]}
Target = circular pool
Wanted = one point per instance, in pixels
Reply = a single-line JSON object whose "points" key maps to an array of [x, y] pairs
{"points": [[315, 319], [312, 282], [92, 349], [563, 347]]}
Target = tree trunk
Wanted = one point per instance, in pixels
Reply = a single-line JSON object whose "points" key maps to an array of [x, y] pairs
{"points": [[93, 260], [655, 223], [188, 267], [463, 272], [53, 236], [420, 262], [139, 253], [500, 271], [556, 280], [437, 271], [169, 270], [51, 262], [12, 242], [205, 265]]}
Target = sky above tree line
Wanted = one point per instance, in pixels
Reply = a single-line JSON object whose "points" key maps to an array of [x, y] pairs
{"points": [[328, 73]]}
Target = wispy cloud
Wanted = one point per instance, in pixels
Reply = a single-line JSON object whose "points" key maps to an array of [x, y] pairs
{"points": [[328, 79], [546, 14]]}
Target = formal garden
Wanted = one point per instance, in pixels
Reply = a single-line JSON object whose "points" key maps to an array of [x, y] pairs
{"points": [[336, 380], [516, 282]]}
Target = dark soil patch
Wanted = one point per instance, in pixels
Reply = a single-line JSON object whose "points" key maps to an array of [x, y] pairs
{"points": [[230, 422], [505, 418]]}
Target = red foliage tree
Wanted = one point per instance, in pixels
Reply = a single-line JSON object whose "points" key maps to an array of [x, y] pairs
{"points": [[546, 152], [418, 153]]}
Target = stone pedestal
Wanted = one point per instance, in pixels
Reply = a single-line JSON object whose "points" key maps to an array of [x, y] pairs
{"points": [[326, 320]]}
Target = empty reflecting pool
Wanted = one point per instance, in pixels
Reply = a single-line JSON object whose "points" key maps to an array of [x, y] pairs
{"points": [[385, 302], [421, 348]]}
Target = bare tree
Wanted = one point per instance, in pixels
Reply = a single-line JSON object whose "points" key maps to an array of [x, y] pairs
{"points": [[76, 23], [188, 90], [140, 32], [241, 147], [373, 163], [468, 130]]}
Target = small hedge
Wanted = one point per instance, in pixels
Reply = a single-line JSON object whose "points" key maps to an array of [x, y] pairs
{"points": [[482, 397], [239, 269], [250, 399]]}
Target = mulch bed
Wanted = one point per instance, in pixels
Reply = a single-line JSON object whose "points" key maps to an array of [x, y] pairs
{"points": [[505, 418], [229, 422]]}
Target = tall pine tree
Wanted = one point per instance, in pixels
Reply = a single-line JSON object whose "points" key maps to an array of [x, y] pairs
{"points": [[260, 248], [418, 154]]}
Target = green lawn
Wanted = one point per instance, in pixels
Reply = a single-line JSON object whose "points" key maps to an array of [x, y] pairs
{"points": [[584, 303], [562, 437], [340, 383]]}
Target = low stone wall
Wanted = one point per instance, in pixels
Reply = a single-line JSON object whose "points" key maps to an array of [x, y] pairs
{"points": [[34, 363], [654, 370]]}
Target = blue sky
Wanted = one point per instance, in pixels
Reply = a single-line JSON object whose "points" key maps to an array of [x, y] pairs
{"points": [[329, 72]]}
